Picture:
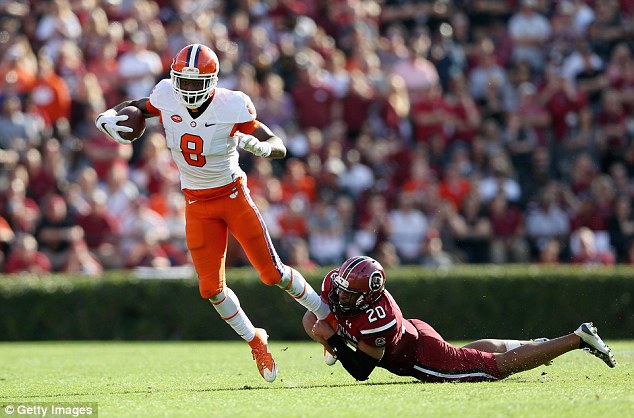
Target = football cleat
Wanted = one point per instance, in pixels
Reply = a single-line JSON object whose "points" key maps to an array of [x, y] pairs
{"points": [[329, 358], [593, 344], [262, 356]]}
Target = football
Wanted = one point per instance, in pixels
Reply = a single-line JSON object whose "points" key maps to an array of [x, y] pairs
{"points": [[135, 120]]}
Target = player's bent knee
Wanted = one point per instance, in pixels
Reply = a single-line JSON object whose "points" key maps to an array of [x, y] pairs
{"points": [[218, 297], [270, 280], [208, 293]]}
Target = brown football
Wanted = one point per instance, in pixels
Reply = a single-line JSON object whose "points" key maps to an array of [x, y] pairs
{"points": [[135, 120]]}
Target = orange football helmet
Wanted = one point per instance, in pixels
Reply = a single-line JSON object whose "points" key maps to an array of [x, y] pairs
{"points": [[194, 74]]}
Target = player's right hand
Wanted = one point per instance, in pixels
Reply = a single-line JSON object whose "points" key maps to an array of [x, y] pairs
{"points": [[107, 123]]}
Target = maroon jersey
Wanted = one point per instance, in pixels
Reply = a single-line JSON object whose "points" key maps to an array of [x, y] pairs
{"points": [[381, 325], [412, 347]]}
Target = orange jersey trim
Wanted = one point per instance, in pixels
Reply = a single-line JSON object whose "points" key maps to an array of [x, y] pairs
{"points": [[245, 127], [153, 110]]}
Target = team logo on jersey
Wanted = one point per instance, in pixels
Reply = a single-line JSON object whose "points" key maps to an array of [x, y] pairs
{"points": [[193, 124], [177, 118], [380, 342]]}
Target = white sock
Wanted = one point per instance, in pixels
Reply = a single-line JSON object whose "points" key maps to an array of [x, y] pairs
{"points": [[295, 285], [511, 344], [226, 303]]}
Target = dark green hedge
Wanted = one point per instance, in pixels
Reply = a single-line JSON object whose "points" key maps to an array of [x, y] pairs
{"points": [[463, 303]]}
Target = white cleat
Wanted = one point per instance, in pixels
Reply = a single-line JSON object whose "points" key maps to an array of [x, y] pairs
{"points": [[593, 344]]}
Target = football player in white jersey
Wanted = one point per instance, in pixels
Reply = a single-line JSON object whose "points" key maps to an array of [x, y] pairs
{"points": [[204, 125]]}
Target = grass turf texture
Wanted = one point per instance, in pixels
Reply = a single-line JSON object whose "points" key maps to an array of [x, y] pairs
{"points": [[219, 379]]}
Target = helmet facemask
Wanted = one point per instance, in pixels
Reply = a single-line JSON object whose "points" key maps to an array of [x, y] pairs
{"points": [[192, 87], [344, 301]]}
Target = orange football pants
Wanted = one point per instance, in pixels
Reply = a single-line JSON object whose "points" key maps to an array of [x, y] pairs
{"points": [[210, 215]]}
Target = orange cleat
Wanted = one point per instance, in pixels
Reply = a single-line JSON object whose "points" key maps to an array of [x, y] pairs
{"points": [[262, 356]]}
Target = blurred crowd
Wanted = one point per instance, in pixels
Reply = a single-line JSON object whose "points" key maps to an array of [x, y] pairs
{"points": [[419, 132]]}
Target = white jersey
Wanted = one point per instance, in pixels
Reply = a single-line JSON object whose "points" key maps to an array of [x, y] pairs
{"points": [[203, 148]]}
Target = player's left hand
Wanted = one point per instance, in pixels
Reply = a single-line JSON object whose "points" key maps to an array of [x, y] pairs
{"points": [[323, 330], [106, 122], [253, 145]]}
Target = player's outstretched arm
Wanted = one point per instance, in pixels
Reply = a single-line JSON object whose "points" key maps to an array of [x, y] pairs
{"points": [[359, 363]]}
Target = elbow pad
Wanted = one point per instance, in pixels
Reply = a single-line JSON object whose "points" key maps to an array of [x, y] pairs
{"points": [[356, 362]]}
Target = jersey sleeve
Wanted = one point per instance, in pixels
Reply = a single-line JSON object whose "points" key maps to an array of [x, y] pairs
{"points": [[159, 95], [151, 109], [243, 108]]}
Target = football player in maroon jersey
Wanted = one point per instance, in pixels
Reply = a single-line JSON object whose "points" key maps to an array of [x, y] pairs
{"points": [[371, 332]]}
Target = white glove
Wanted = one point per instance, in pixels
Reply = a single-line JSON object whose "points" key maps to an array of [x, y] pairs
{"points": [[107, 123], [253, 145]]}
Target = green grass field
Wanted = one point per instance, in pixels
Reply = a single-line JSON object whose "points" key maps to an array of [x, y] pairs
{"points": [[219, 379]]}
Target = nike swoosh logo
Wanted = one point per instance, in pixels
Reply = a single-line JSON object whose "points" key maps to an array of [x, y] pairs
{"points": [[209, 124], [192, 201]]}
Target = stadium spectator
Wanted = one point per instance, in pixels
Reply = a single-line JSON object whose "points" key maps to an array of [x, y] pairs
{"points": [[408, 229], [327, 233], [120, 190], [19, 130], [508, 244], [529, 32], [434, 255], [142, 232], [50, 95], [588, 252], [58, 24], [18, 69], [315, 102], [611, 136], [24, 257], [499, 180], [466, 113], [621, 227], [546, 220], [454, 186], [139, 67], [101, 230], [276, 104], [419, 73], [471, 229], [550, 252], [80, 261], [56, 231]]}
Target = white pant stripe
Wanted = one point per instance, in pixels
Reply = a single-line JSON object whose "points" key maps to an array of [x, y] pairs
{"points": [[454, 376]]}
